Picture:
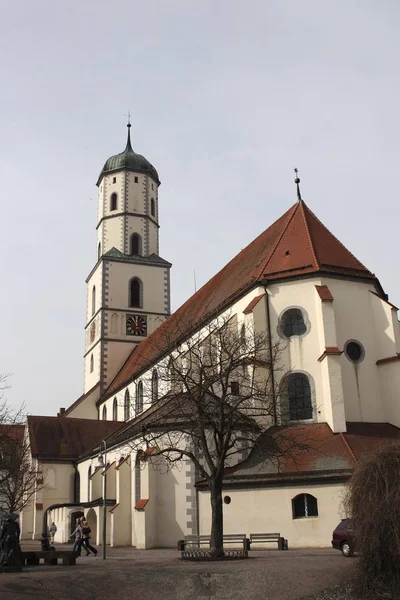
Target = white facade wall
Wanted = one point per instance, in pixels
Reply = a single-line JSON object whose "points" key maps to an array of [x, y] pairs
{"points": [[270, 509]]}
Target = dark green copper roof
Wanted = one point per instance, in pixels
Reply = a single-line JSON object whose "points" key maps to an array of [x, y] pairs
{"points": [[128, 159]]}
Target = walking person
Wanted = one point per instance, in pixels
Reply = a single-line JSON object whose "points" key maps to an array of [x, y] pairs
{"points": [[86, 531], [77, 534], [52, 531]]}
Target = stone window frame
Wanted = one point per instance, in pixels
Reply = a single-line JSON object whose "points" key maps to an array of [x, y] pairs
{"points": [[354, 341], [284, 398], [306, 496], [281, 326]]}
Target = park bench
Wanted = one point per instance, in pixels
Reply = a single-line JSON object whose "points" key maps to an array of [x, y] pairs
{"points": [[67, 557], [262, 538], [205, 540], [200, 544]]}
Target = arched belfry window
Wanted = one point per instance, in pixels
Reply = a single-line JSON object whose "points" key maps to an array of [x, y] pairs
{"points": [[153, 207], [135, 292], [135, 244], [113, 201], [104, 413], [127, 402], [299, 397], [115, 410], [98, 251], [91, 363], [304, 506], [93, 299], [139, 398], [154, 386]]}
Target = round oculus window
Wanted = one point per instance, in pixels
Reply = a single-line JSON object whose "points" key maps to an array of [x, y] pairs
{"points": [[227, 499], [354, 351]]}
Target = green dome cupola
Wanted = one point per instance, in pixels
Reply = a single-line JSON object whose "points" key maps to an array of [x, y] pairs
{"points": [[129, 160]]}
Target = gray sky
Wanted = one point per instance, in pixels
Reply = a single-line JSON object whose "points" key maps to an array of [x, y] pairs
{"points": [[226, 96]]}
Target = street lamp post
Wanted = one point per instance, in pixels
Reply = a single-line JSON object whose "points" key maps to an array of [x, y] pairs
{"points": [[103, 463]]}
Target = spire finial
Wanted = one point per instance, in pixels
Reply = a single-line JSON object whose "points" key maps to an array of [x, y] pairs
{"points": [[297, 182], [128, 142]]}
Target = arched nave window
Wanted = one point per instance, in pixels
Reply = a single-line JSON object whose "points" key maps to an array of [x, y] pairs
{"points": [[113, 201], [93, 299], [104, 413], [139, 398], [154, 386], [135, 246], [135, 292], [304, 506], [88, 484], [138, 487], [299, 396], [115, 410], [127, 402]]}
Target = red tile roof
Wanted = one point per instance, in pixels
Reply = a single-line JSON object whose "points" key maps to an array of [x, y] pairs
{"points": [[297, 244], [324, 293], [57, 438], [253, 303], [140, 505], [389, 359], [318, 451]]}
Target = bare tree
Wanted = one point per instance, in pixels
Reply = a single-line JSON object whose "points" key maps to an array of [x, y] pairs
{"points": [[219, 400], [18, 479]]}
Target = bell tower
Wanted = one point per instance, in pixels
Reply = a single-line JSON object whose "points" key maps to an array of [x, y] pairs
{"points": [[128, 289]]}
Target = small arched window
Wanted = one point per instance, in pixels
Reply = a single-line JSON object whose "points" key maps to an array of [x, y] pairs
{"points": [[304, 506], [136, 244], [139, 398], [91, 363], [93, 299], [115, 410], [154, 386], [98, 251], [299, 396], [135, 292], [104, 413], [127, 402], [51, 478], [153, 207], [113, 201], [293, 323]]}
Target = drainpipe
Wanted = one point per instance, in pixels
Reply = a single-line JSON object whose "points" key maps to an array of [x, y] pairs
{"points": [[270, 358]]}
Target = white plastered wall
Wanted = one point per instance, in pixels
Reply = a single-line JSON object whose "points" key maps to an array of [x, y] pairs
{"points": [[254, 510]]}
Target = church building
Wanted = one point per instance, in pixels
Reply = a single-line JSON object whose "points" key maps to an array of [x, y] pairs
{"points": [[295, 281]]}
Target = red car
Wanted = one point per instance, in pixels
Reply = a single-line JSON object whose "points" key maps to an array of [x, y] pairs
{"points": [[343, 537]]}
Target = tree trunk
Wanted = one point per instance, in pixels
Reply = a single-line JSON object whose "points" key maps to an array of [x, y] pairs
{"points": [[217, 545]]}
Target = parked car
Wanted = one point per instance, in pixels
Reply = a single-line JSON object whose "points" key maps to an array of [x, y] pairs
{"points": [[343, 537]]}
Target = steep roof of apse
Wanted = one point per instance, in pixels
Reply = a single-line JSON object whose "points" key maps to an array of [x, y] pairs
{"points": [[296, 245], [130, 160]]}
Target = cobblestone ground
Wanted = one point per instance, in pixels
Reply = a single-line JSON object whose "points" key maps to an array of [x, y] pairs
{"points": [[160, 575]]}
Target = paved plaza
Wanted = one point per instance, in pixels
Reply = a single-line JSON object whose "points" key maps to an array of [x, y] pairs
{"points": [[161, 575]]}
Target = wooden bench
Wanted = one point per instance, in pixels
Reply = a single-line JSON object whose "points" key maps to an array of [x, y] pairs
{"points": [[262, 538], [67, 557], [205, 540]]}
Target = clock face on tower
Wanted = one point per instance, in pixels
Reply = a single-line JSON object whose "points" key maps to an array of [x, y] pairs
{"points": [[136, 325]]}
